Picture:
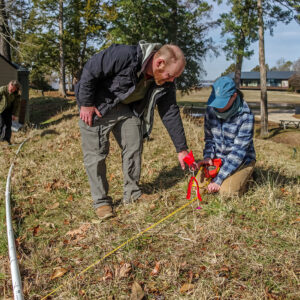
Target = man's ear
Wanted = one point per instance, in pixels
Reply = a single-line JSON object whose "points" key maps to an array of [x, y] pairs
{"points": [[160, 63]]}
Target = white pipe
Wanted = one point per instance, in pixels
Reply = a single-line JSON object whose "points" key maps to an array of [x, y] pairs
{"points": [[14, 267]]}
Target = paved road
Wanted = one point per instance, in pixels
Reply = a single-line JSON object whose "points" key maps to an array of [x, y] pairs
{"points": [[275, 115], [281, 112]]}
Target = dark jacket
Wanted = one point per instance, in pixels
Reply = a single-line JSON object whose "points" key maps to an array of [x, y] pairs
{"points": [[111, 76]]}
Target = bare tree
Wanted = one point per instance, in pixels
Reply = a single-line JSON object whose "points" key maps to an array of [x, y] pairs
{"points": [[263, 73], [296, 66], [62, 76], [4, 32]]}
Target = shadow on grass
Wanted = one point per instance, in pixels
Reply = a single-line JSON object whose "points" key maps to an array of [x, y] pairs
{"points": [[273, 131], [57, 121], [42, 109], [49, 132], [166, 179], [261, 177]]}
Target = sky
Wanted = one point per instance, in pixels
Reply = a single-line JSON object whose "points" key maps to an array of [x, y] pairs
{"points": [[285, 43]]}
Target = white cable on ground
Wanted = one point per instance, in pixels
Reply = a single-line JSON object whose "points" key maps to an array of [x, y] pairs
{"points": [[15, 272]]}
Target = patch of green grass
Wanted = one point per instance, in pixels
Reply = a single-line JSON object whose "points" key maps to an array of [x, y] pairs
{"points": [[191, 103], [3, 237]]}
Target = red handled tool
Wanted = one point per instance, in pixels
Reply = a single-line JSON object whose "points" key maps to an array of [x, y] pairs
{"points": [[190, 161], [212, 171]]}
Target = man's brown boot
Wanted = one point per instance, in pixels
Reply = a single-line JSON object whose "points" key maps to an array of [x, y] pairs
{"points": [[104, 212]]}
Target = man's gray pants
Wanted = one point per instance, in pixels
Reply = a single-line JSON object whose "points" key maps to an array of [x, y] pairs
{"points": [[95, 146]]}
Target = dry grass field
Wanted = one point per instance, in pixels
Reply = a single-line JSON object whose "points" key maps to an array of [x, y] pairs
{"points": [[237, 248]]}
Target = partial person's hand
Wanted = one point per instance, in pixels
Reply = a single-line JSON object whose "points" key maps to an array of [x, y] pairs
{"points": [[14, 118], [87, 112], [181, 156], [205, 161], [213, 187]]}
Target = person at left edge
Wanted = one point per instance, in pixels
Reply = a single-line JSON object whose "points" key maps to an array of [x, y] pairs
{"points": [[118, 90], [10, 102]]}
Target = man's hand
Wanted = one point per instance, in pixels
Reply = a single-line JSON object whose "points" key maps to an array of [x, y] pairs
{"points": [[14, 118], [87, 112], [213, 187], [181, 156], [205, 161]]}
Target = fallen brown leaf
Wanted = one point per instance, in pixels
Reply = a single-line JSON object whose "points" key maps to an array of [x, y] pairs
{"points": [[36, 230], [70, 198], [152, 206], [295, 221], [137, 292], [48, 187], [49, 225], [108, 274], [111, 177], [58, 273], [123, 271], [253, 208], [55, 205], [224, 269], [190, 275], [284, 191], [66, 222], [151, 287], [79, 231], [183, 264], [203, 268], [186, 287], [156, 269], [55, 184]]}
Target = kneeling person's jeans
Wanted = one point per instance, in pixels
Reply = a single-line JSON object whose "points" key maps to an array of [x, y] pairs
{"points": [[95, 146]]}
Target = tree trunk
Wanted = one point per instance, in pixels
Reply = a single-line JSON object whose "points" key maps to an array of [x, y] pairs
{"points": [[173, 22], [70, 83], [239, 61], [238, 71], [62, 76], [4, 32], [263, 74]]}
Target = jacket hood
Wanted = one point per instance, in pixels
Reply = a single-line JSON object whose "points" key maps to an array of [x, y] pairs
{"points": [[148, 48]]}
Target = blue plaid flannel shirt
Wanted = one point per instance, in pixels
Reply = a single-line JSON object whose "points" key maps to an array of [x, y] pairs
{"points": [[231, 140]]}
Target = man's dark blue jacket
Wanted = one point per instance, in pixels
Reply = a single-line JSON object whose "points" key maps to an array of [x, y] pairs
{"points": [[111, 76]]}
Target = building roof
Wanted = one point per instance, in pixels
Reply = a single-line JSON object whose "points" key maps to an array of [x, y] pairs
{"points": [[14, 65], [270, 75]]}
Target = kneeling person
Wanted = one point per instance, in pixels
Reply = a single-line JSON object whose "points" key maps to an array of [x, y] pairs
{"points": [[228, 127]]}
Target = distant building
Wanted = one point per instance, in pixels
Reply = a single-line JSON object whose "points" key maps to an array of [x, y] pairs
{"points": [[206, 83], [276, 80], [11, 71]]}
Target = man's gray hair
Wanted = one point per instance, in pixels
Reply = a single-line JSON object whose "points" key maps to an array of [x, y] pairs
{"points": [[15, 83], [171, 53]]}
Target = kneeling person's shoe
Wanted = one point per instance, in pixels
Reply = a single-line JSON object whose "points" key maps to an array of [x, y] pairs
{"points": [[104, 212]]}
